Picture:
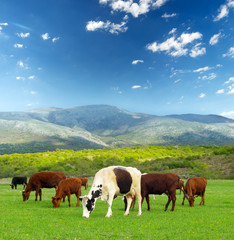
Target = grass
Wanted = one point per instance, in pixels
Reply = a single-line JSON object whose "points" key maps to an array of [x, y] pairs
{"points": [[38, 220]]}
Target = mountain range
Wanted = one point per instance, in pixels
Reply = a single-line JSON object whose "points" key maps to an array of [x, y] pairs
{"points": [[99, 126]]}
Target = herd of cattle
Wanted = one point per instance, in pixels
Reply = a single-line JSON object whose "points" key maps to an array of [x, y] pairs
{"points": [[109, 183]]}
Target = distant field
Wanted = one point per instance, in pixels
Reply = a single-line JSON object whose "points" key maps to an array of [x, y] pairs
{"points": [[38, 220]]}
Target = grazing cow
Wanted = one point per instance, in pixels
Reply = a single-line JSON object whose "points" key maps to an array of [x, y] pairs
{"points": [[18, 180], [153, 184], [84, 182], [65, 188], [159, 183], [111, 181], [195, 186], [42, 180]]}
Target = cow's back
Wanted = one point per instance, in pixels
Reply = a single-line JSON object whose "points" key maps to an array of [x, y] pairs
{"points": [[46, 179]]}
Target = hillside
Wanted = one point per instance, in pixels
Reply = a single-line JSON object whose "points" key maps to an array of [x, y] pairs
{"points": [[101, 126]]}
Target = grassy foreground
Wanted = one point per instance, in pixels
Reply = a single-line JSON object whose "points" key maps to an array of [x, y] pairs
{"points": [[38, 220]]}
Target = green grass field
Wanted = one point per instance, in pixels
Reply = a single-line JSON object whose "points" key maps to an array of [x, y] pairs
{"points": [[38, 220]]}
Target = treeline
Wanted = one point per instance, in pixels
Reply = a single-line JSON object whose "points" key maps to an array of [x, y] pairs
{"points": [[210, 162]]}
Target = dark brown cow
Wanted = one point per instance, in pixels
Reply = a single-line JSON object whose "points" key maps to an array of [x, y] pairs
{"points": [[42, 180], [66, 188], [159, 183], [195, 186]]}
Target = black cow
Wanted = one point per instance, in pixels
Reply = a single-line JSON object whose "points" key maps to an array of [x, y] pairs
{"points": [[18, 180]]}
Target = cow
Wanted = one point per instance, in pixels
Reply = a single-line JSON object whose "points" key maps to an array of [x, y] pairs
{"points": [[111, 181], [42, 180], [18, 180], [84, 182], [65, 188], [195, 186], [159, 183]]}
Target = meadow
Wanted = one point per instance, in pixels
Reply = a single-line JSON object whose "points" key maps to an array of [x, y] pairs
{"points": [[38, 220]]}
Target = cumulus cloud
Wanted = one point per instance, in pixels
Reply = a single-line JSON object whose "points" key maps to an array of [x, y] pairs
{"points": [[107, 26], [173, 30], [176, 46], [55, 39], [45, 36], [137, 61], [230, 53], [21, 64], [229, 114], [204, 69], [202, 95], [220, 91], [135, 8], [20, 78], [23, 35], [209, 76], [165, 15], [197, 51], [231, 79], [31, 77], [214, 39], [136, 86], [33, 92], [224, 10], [17, 45], [4, 24]]}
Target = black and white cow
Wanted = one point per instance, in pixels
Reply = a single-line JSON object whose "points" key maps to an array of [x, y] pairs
{"points": [[18, 180], [112, 181]]}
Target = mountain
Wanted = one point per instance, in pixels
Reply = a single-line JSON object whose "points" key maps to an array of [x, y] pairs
{"points": [[99, 126]]}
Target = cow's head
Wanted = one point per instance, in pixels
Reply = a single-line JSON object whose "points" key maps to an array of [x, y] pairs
{"points": [[12, 186], [191, 199], [56, 202], [25, 195], [88, 204]]}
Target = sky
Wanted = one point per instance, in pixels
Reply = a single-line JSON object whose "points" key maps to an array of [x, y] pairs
{"points": [[158, 57]]}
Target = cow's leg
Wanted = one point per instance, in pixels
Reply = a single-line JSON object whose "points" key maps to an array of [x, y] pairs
{"points": [[109, 204], [15, 186], [139, 200], [78, 197], [129, 201], [168, 202], [38, 192], [64, 199], [147, 200], [173, 198], [183, 200], [202, 199]]}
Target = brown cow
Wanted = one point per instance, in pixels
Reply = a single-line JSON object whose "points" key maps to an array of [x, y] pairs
{"points": [[66, 188], [195, 186], [159, 183], [42, 180], [84, 182]]}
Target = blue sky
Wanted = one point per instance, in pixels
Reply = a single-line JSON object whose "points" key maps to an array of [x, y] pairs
{"points": [[152, 56]]}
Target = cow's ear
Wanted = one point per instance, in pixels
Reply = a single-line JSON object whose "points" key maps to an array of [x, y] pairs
{"points": [[53, 198]]}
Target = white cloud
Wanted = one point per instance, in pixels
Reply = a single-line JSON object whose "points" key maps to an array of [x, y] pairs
{"points": [[231, 79], [20, 78], [220, 91], [202, 95], [136, 86], [45, 36], [204, 69], [214, 39], [135, 8], [173, 30], [209, 77], [175, 46], [165, 15], [33, 92], [197, 51], [137, 61], [224, 10], [230, 53], [23, 35], [21, 64], [4, 24], [31, 77], [107, 26], [17, 45], [229, 114], [55, 39]]}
